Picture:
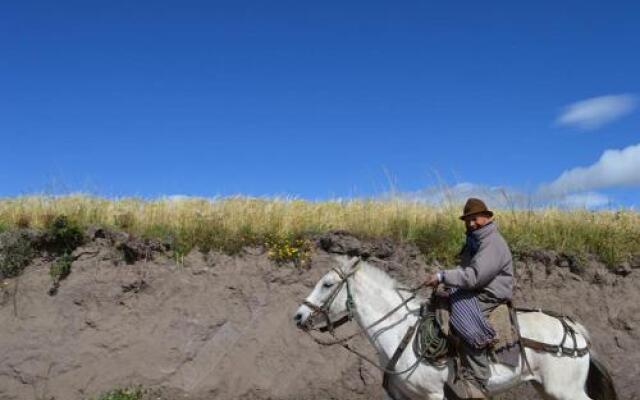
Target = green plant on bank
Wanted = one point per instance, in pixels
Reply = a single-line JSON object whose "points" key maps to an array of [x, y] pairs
{"points": [[283, 249], [23, 221], [131, 393], [63, 235], [16, 253], [441, 241], [124, 221], [61, 268]]}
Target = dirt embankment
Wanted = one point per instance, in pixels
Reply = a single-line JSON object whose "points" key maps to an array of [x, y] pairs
{"points": [[219, 327]]}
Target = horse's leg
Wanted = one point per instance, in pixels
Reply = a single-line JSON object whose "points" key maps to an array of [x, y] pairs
{"points": [[395, 396], [540, 390], [578, 394], [564, 378], [392, 393], [398, 396], [565, 395]]}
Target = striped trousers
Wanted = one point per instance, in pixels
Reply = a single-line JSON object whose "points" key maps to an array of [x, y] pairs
{"points": [[468, 319]]}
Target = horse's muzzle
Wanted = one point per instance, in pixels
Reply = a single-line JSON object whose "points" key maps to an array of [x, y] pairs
{"points": [[300, 323], [298, 319]]}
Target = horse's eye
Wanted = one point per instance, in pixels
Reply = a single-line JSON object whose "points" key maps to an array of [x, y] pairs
{"points": [[327, 284]]}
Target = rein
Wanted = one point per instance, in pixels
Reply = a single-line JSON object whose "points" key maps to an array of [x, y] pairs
{"points": [[350, 305]]}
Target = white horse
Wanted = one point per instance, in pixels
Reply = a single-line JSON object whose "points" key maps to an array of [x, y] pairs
{"points": [[374, 294]]}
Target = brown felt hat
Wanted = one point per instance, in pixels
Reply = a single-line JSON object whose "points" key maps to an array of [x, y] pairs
{"points": [[475, 206]]}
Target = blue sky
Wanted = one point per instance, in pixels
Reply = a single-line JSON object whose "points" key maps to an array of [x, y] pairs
{"points": [[320, 100]]}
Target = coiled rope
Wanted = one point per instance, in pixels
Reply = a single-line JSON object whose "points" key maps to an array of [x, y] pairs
{"points": [[430, 341]]}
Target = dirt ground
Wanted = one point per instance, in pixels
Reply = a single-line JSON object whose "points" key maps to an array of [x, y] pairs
{"points": [[220, 327]]}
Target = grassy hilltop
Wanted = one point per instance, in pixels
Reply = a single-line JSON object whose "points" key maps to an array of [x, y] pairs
{"points": [[284, 225]]}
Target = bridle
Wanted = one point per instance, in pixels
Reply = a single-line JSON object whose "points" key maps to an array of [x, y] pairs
{"points": [[324, 308], [350, 305]]}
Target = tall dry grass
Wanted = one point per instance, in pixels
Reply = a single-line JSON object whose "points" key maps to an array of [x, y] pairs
{"points": [[229, 223]]}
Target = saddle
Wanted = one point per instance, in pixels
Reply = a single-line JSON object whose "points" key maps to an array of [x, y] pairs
{"points": [[505, 346], [436, 342]]}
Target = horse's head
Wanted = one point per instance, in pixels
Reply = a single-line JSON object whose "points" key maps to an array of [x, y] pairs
{"points": [[330, 300]]}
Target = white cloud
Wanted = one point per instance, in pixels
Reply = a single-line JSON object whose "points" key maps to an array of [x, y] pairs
{"points": [[588, 200], [458, 193], [615, 168], [177, 197], [595, 112], [505, 197]]}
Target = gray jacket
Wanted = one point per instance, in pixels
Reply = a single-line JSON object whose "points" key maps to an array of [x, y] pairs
{"points": [[489, 269]]}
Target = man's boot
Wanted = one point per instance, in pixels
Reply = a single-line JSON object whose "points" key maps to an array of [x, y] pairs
{"points": [[471, 375], [464, 388]]}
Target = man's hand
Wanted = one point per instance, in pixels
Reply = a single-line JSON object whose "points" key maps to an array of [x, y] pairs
{"points": [[432, 280]]}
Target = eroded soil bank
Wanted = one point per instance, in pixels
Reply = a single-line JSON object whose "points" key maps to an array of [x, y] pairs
{"points": [[219, 327]]}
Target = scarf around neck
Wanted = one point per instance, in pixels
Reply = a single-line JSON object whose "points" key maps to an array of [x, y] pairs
{"points": [[474, 238]]}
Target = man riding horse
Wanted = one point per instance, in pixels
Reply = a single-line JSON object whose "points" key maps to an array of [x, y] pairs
{"points": [[483, 281]]}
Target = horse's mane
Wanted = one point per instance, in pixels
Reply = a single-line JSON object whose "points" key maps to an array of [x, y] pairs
{"points": [[376, 273], [380, 276]]}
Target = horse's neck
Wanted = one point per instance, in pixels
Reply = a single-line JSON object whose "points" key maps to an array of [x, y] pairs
{"points": [[374, 297]]}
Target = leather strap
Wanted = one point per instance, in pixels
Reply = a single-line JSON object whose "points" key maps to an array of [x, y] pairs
{"points": [[560, 349], [552, 348], [391, 365]]}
